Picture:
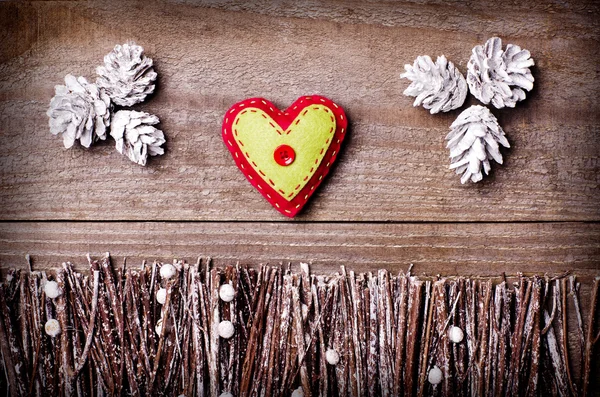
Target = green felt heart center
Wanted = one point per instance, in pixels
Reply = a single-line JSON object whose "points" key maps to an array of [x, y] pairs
{"points": [[309, 135]]}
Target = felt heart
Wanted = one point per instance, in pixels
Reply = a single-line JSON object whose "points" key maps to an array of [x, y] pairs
{"points": [[285, 155]]}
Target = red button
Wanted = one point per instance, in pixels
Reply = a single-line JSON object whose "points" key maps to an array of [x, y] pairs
{"points": [[284, 155]]}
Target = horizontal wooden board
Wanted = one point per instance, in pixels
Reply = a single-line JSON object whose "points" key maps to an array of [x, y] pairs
{"points": [[470, 249], [210, 55]]}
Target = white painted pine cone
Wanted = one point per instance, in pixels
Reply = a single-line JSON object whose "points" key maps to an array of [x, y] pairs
{"points": [[79, 111], [439, 86], [473, 141], [127, 74], [135, 135], [497, 76]]}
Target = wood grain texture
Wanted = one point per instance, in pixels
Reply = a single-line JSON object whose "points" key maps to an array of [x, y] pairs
{"points": [[210, 55], [480, 249]]}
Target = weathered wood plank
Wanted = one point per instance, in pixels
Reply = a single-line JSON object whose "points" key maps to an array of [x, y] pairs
{"points": [[480, 249], [394, 166]]}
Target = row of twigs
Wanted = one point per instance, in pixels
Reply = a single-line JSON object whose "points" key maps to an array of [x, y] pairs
{"points": [[388, 330]]}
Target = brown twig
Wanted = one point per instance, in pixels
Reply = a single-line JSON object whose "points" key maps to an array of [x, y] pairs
{"points": [[90, 331], [415, 292], [590, 338]]}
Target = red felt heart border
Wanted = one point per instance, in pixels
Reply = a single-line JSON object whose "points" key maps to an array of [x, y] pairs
{"points": [[284, 119]]}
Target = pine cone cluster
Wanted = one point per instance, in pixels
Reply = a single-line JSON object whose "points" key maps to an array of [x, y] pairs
{"points": [[437, 86], [495, 76], [136, 136], [474, 139], [82, 111], [127, 75], [79, 111]]}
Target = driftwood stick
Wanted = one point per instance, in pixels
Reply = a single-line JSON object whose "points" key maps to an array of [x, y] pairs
{"points": [[357, 322], [385, 365], [349, 348], [590, 338], [62, 314], [16, 387], [215, 318], [415, 293], [284, 333], [300, 344], [262, 363], [564, 333], [425, 339], [574, 292], [532, 387], [161, 340], [373, 353], [483, 328], [249, 365], [197, 338], [402, 283], [556, 359], [272, 361], [517, 339], [318, 293], [442, 346], [90, 331], [339, 342]]}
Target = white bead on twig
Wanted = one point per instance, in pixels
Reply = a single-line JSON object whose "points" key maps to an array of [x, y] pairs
{"points": [[161, 296], [52, 290], [332, 357], [167, 271], [52, 327], [226, 292], [226, 329]]}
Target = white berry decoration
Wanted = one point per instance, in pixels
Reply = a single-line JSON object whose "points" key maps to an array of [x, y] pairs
{"points": [[52, 327], [161, 296], [226, 394], [435, 375], [167, 271], [456, 334], [52, 290], [226, 292], [332, 357], [298, 392], [226, 329], [158, 327]]}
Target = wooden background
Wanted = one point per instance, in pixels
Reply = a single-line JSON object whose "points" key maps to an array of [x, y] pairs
{"points": [[390, 201]]}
